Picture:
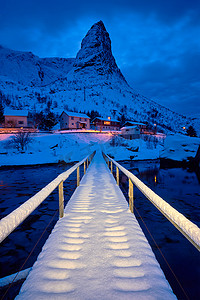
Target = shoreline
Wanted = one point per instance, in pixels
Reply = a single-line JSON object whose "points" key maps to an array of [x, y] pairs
{"points": [[37, 165], [164, 163]]}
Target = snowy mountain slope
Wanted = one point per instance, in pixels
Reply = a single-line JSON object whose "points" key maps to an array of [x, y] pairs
{"points": [[27, 69], [91, 81]]}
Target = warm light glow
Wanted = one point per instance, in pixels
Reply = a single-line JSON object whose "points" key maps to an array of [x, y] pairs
{"points": [[109, 118], [154, 124], [184, 127], [155, 179], [4, 136], [106, 123]]}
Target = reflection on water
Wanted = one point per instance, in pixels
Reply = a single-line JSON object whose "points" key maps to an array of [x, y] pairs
{"points": [[181, 189], [16, 186]]}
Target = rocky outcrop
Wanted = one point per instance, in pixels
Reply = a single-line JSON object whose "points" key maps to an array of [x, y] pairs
{"points": [[96, 55]]}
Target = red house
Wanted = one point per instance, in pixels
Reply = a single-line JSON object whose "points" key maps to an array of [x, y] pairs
{"points": [[105, 124]]}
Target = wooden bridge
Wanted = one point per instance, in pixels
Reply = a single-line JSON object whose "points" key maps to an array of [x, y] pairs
{"points": [[97, 249]]}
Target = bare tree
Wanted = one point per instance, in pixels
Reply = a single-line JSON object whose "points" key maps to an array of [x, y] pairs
{"points": [[21, 139]]}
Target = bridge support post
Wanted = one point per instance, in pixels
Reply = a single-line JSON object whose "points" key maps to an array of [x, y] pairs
{"points": [[61, 200], [87, 163], [84, 167], [78, 176], [111, 166], [117, 175], [130, 193]]}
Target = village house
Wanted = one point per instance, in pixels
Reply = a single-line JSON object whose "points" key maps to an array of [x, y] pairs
{"points": [[141, 126], [73, 120], [15, 118], [105, 124], [130, 132]]}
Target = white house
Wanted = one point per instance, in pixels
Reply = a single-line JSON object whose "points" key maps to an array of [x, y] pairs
{"points": [[73, 120], [130, 132], [140, 125], [15, 118]]}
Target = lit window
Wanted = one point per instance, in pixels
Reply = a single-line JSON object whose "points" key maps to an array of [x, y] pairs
{"points": [[106, 123]]}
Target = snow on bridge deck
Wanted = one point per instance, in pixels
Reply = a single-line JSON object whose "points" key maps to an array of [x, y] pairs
{"points": [[97, 250]]}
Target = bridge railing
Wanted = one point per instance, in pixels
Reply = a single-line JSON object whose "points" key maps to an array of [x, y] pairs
{"points": [[186, 227], [15, 218]]}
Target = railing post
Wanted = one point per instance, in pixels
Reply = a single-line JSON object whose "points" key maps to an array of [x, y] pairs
{"points": [[130, 193], [87, 162], [84, 167], [111, 166], [117, 175], [78, 176], [61, 200], [108, 163]]}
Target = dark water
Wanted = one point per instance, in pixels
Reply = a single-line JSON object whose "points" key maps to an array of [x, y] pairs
{"points": [[181, 189], [16, 186], [178, 187]]}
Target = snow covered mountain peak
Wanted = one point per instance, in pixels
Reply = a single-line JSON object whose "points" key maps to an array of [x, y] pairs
{"points": [[96, 55], [97, 38]]}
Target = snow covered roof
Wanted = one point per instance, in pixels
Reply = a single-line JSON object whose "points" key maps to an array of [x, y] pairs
{"points": [[74, 114], [129, 127], [135, 123], [15, 112], [104, 119]]}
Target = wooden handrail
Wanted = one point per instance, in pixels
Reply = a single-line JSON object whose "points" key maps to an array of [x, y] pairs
{"points": [[190, 230], [15, 218]]}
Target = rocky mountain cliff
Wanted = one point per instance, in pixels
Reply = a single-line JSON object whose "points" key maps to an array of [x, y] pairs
{"points": [[95, 56], [91, 81]]}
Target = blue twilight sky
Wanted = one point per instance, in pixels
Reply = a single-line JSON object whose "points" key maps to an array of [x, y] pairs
{"points": [[156, 43]]}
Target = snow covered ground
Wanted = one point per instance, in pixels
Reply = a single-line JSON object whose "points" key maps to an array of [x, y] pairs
{"points": [[180, 147], [50, 148], [97, 250], [70, 146]]}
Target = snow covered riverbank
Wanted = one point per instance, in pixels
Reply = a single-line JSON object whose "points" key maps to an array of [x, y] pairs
{"points": [[179, 147], [68, 147]]}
